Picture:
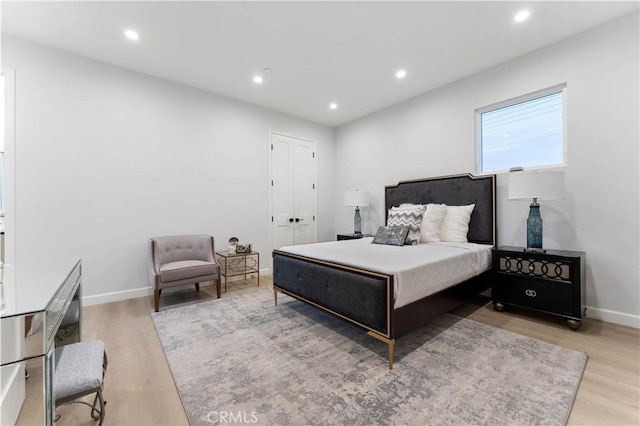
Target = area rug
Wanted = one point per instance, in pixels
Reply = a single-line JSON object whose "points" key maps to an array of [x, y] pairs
{"points": [[242, 360]]}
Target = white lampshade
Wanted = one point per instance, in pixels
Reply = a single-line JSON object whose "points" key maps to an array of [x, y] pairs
{"points": [[356, 198], [541, 185]]}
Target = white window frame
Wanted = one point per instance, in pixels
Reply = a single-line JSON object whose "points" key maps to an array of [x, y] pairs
{"points": [[513, 101]]}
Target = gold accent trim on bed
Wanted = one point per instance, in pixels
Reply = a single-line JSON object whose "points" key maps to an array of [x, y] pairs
{"points": [[386, 277]]}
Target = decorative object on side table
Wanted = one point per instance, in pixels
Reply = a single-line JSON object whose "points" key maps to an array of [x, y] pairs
{"points": [[243, 248], [551, 282], [547, 185], [358, 199], [233, 241]]}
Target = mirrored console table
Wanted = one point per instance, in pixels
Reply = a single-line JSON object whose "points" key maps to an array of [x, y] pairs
{"points": [[38, 297]]}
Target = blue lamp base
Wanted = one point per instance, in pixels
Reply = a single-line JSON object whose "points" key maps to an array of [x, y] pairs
{"points": [[534, 228], [357, 223]]}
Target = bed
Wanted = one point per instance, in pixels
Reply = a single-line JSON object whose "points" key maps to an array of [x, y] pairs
{"points": [[365, 295]]}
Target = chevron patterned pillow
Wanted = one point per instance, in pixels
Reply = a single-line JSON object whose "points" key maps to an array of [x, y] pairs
{"points": [[407, 217]]}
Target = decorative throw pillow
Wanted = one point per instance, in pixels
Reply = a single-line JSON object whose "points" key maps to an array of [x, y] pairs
{"points": [[391, 235], [409, 217], [431, 222], [455, 224]]}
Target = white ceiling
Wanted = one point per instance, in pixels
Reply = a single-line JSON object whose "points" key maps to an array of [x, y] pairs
{"points": [[320, 52]]}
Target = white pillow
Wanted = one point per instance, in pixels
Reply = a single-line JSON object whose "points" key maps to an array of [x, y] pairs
{"points": [[431, 222], [455, 224]]}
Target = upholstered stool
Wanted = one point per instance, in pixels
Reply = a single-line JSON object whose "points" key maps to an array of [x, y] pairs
{"points": [[79, 371]]}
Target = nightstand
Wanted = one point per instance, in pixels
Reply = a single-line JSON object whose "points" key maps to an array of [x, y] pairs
{"points": [[341, 237], [552, 281], [233, 264]]}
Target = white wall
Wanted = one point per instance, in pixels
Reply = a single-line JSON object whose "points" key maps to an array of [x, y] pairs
{"points": [[433, 135], [106, 158]]}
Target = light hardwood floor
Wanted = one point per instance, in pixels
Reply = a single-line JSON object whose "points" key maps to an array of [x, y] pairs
{"points": [[140, 390]]}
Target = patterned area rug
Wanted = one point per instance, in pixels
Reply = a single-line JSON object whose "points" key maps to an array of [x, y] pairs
{"points": [[242, 360]]}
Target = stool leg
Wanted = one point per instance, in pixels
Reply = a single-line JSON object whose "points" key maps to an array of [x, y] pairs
{"points": [[95, 413]]}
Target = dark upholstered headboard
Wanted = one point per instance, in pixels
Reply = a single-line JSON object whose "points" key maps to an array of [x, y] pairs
{"points": [[454, 190]]}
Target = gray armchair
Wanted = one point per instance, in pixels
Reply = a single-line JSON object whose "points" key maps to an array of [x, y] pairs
{"points": [[182, 260]]}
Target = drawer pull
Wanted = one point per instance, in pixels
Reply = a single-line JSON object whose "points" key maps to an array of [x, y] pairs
{"points": [[531, 293]]}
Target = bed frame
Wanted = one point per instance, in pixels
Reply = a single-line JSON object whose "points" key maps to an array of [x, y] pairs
{"points": [[365, 298]]}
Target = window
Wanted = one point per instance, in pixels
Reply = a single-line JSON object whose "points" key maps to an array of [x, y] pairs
{"points": [[528, 132]]}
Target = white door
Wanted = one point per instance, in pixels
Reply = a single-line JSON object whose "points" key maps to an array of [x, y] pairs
{"points": [[293, 199]]}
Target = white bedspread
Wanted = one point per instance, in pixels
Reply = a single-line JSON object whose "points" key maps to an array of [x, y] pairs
{"points": [[418, 271]]}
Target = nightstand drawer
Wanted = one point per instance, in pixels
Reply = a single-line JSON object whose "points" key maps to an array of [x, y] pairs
{"points": [[537, 294], [542, 268]]}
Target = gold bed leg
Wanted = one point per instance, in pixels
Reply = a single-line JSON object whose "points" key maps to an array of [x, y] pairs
{"points": [[390, 343], [275, 296]]}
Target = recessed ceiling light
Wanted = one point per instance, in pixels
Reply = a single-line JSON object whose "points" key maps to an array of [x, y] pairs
{"points": [[400, 74], [333, 105], [131, 35], [258, 79], [523, 15]]}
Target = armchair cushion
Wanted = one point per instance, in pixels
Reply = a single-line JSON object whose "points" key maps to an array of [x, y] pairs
{"points": [[185, 269]]}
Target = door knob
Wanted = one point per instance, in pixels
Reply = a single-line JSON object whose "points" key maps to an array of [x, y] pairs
{"points": [[298, 219], [290, 219]]}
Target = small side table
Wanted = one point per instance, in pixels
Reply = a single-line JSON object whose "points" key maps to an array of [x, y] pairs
{"points": [[341, 237], [235, 264], [552, 281]]}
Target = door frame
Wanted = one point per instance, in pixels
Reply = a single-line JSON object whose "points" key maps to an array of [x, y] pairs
{"points": [[315, 193], [8, 190]]}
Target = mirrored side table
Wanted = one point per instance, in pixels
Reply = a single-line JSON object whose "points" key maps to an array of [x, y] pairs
{"points": [[234, 264]]}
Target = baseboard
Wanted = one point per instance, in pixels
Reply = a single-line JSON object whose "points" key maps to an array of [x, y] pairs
{"points": [[614, 317], [116, 296]]}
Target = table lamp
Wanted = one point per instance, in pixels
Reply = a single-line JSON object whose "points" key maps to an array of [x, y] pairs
{"points": [[358, 199], [548, 185]]}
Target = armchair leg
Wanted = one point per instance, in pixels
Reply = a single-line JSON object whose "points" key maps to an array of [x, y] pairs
{"points": [[156, 297], [197, 286], [218, 285]]}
